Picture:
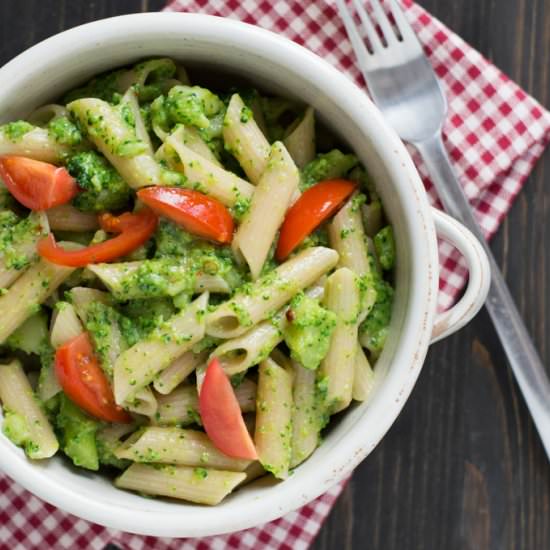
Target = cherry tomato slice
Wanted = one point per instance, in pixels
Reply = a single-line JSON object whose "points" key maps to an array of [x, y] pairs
{"points": [[35, 184], [195, 212], [313, 207], [221, 415], [84, 382], [135, 229]]}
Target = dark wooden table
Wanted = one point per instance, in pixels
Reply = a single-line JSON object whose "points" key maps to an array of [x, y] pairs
{"points": [[462, 468]]}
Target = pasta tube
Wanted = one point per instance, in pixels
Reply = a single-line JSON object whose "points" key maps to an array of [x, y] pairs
{"points": [[200, 485], [269, 293], [305, 415], [115, 136], [65, 325], [347, 236], [24, 422], [270, 201], [342, 296], [155, 278], [138, 365], [241, 353], [191, 138], [68, 218], [209, 178], [244, 139], [21, 249], [273, 432], [36, 144], [363, 378], [177, 446], [178, 371], [179, 407], [29, 291], [300, 141]]}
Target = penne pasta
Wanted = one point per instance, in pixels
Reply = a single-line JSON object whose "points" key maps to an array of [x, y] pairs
{"points": [[342, 296], [36, 144], [209, 178], [241, 353], [65, 325], [144, 402], [138, 365], [24, 421], [177, 446], [46, 113], [29, 291], [270, 201], [244, 139], [48, 384], [82, 297], [300, 141], [200, 485], [269, 293], [178, 408], [130, 100], [116, 138], [177, 372], [273, 431], [150, 278], [191, 138], [20, 249], [347, 236], [68, 218], [363, 378], [305, 415]]}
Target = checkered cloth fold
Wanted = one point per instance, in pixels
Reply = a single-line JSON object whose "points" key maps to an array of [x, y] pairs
{"points": [[495, 133]]}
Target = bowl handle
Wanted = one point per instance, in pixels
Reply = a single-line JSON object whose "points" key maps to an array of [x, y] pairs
{"points": [[479, 279]]}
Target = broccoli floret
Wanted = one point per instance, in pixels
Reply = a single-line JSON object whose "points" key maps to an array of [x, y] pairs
{"points": [[192, 105], [385, 247], [16, 429], [105, 453], [104, 189], [77, 435], [32, 336], [333, 164], [308, 331], [104, 86], [374, 329], [64, 131]]}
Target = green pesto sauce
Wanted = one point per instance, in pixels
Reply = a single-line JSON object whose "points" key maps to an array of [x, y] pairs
{"points": [[384, 245], [64, 131], [333, 164], [14, 131], [308, 331]]}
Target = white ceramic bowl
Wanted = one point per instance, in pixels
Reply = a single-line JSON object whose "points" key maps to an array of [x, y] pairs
{"points": [[45, 71]]}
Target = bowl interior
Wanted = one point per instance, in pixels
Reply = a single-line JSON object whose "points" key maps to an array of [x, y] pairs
{"points": [[43, 73]]}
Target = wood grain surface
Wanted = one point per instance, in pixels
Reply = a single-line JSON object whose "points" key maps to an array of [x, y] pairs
{"points": [[462, 468]]}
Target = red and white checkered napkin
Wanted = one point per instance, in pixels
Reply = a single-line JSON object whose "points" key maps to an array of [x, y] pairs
{"points": [[495, 134]]}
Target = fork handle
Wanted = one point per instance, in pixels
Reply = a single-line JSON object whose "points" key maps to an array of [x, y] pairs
{"points": [[522, 355]]}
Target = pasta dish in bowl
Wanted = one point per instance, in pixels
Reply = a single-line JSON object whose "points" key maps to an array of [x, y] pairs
{"points": [[201, 280]]}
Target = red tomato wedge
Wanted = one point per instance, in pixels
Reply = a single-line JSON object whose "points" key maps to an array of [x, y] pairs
{"points": [[35, 184], [221, 415], [82, 379], [312, 208], [195, 212], [135, 229]]}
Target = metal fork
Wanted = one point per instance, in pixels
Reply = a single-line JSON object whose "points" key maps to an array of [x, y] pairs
{"points": [[404, 86]]}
